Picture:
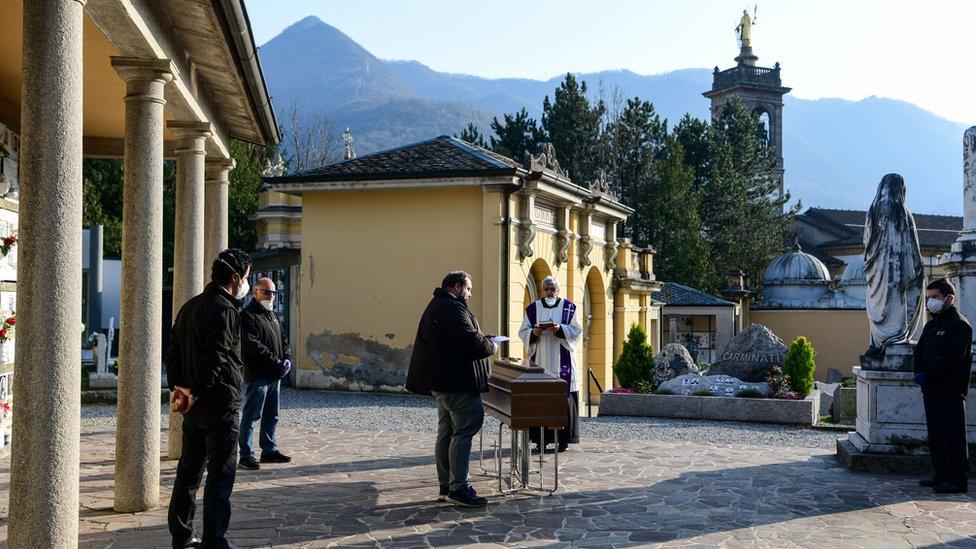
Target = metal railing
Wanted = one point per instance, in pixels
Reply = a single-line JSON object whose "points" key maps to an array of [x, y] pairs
{"points": [[589, 404]]}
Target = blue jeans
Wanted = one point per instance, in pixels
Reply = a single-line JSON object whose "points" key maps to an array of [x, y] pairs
{"points": [[459, 418], [260, 402]]}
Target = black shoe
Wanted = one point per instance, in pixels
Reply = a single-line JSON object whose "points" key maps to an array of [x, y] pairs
{"points": [[952, 488], [466, 497], [193, 542], [930, 482], [275, 457], [248, 463], [443, 494], [563, 447]]}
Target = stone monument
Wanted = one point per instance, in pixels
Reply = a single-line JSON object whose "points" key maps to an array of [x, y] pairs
{"points": [[102, 378], [890, 434], [674, 360], [751, 355]]}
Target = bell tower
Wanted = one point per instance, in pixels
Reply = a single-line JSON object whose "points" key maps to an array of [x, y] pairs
{"points": [[760, 88]]}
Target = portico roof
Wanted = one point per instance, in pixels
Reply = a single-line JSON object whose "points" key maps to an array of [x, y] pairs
{"points": [[209, 43]]}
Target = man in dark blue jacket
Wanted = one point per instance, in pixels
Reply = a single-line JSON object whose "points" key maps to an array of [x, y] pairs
{"points": [[204, 369], [451, 361], [943, 361]]}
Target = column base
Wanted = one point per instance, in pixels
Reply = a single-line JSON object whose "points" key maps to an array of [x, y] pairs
{"points": [[891, 435]]}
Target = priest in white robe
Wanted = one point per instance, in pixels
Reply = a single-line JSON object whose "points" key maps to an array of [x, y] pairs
{"points": [[550, 332]]}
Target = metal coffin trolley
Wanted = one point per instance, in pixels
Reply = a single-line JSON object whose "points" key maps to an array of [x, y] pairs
{"points": [[520, 397]]}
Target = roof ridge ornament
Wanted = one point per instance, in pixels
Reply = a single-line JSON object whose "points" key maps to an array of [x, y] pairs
{"points": [[601, 184], [349, 153], [545, 159]]}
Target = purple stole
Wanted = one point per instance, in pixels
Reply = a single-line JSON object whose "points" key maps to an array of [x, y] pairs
{"points": [[565, 360]]}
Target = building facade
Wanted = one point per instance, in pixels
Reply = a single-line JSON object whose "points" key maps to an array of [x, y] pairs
{"points": [[379, 232]]}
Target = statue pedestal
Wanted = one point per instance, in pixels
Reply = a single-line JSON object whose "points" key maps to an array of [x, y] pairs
{"points": [[891, 435]]}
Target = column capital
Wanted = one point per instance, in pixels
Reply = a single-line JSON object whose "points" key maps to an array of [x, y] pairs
{"points": [[191, 135], [217, 168], [140, 68]]}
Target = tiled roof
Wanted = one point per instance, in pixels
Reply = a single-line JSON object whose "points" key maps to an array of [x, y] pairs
{"points": [[680, 295], [442, 156], [934, 231], [812, 249]]}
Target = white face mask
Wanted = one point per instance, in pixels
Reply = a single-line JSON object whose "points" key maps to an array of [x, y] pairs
{"points": [[267, 304], [934, 305], [243, 290], [550, 301]]}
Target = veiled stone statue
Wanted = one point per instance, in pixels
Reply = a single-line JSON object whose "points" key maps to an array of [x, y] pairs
{"points": [[893, 267]]}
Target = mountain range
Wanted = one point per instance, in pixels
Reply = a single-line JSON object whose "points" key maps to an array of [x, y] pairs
{"points": [[835, 151]]}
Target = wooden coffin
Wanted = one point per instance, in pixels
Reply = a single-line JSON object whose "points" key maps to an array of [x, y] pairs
{"points": [[525, 396]]}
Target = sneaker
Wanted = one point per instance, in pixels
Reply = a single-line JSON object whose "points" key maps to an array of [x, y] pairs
{"points": [[952, 488], [275, 457], [443, 494], [466, 497], [249, 464], [930, 482]]}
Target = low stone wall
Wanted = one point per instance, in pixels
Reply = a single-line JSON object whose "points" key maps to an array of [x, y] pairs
{"points": [[761, 410]]}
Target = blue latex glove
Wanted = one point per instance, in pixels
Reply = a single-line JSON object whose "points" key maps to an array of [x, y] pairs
{"points": [[920, 379]]}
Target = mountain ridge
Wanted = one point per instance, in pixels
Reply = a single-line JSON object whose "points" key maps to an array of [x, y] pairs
{"points": [[835, 150]]}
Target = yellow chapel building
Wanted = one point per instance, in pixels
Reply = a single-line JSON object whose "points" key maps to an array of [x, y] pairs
{"points": [[377, 233]]}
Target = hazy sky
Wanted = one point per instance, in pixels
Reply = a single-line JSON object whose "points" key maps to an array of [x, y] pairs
{"points": [[915, 51]]}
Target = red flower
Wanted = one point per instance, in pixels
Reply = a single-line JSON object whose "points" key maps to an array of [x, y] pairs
{"points": [[3, 333], [11, 321]]}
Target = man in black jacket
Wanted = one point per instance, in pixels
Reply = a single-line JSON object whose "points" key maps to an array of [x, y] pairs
{"points": [[451, 361], [204, 370], [943, 361], [266, 362]]}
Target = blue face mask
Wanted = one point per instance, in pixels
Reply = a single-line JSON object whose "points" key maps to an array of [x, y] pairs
{"points": [[934, 305]]}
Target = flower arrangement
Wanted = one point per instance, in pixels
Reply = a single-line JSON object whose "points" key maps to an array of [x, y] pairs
{"points": [[7, 244], [7, 328]]}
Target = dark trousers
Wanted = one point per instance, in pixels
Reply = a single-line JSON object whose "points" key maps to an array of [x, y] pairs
{"points": [[945, 417], [209, 441]]}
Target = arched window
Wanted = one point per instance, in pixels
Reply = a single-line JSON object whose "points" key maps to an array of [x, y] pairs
{"points": [[763, 128]]}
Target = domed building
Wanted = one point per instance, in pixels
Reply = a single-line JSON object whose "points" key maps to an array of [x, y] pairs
{"points": [[801, 298], [795, 279]]}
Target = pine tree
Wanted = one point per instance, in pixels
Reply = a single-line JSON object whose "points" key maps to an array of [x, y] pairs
{"points": [[575, 128], [472, 135], [673, 223], [635, 138], [635, 364], [735, 180], [515, 135], [800, 365]]}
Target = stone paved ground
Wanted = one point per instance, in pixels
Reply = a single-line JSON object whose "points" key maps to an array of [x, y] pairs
{"points": [[352, 486]]}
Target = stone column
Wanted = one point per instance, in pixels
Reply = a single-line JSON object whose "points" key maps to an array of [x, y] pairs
{"points": [[188, 258], [140, 350], [44, 453], [215, 240], [969, 184], [960, 261]]}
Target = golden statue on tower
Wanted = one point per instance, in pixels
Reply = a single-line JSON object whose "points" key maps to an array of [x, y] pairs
{"points": [[744, 31]]}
